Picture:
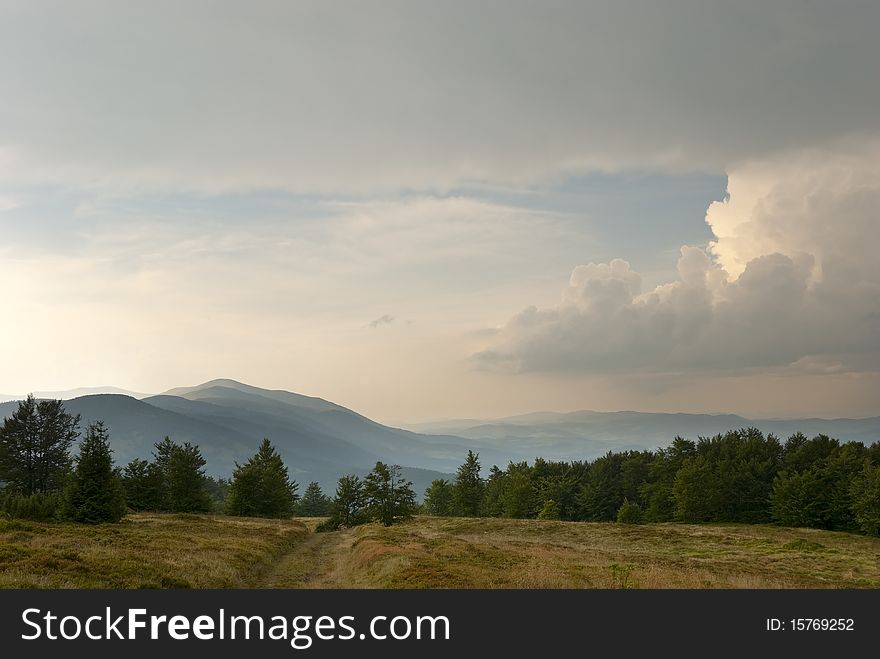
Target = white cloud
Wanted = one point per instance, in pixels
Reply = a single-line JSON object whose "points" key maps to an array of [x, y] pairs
{"points": [[792, 278]]}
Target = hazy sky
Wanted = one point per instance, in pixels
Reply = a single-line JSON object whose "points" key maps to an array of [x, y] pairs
{"points": [[434, 209]]}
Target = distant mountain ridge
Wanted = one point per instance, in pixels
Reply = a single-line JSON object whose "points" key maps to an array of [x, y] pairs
{"points": [[321, 440], [575, 431], [68, 394]]}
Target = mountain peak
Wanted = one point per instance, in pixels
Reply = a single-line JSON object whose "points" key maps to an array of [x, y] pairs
{"points": [[224, 387]]}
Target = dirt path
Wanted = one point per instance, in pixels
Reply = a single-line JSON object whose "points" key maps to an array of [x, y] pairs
{"points": [[313, 563]]}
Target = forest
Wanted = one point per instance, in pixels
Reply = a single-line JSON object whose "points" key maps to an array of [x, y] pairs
{"points": [[741, 476]]}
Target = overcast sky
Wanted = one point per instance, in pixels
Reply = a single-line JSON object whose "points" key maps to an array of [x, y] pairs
{"points": [[435, 209]]}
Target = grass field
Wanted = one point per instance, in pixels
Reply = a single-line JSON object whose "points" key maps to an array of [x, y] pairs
{"points": [[170, 551], [144, 551]]}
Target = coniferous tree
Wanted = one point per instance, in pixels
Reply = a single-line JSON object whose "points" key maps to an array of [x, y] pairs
{"points": [[314, 502], [160, 471], [438, 498], [347, 509], [35, 446], [493, 490], [389, 497], [518, 497], [186, 490], [95, 492], [218, 490], [550, 511], [144, 485], [261, 487], [467, 497]]}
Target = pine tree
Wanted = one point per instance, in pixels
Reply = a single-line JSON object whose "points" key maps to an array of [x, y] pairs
{"points": [[95, 492], [261, 487], [35, 446], [438, 498], [347, 508], [314, 503], [550, 510], [185, 480], [467, 498], [390, 498], [144, 485], [160, 472]]}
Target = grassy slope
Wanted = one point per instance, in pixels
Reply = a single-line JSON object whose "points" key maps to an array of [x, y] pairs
{"points": [[144, 551], [205, 551], [494, 553]]}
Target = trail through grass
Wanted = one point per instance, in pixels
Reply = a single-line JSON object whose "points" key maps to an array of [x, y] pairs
{"points": [[205, 551]]}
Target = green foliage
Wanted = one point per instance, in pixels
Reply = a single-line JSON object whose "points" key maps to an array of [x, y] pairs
{"points": [[865, 493], [37, 507], [800, 453], [438, 498], [874, 454], [798, 499], [518, 498], [161, 462], [35, 446], [144, 485], [697, 491], [549, 511], [739, 476], [620, 575], [558, 481], [389, 497], [844, 465], [95, 492], [185, 479], [657, 492], [261, 487], [630, 513], [218, 490], [469, 488], [729, 479], [347, 508], [174, 481], [493, 490], [314, 502], [602, 492]]}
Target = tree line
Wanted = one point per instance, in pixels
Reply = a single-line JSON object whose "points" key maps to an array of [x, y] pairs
{"points": [[739, 476], [40, 479]]}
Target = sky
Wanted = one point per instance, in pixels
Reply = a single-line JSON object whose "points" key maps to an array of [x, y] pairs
{"points": [[427, 210]]}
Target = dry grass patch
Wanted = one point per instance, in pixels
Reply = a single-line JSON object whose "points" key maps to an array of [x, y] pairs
{"points": [[144, 551], [503, 553]]}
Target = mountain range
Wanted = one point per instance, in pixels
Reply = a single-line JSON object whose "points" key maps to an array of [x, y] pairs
{"points": [[320, 440]]}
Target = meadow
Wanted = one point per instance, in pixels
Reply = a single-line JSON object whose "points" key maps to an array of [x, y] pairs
{"points": [[213, 551]]}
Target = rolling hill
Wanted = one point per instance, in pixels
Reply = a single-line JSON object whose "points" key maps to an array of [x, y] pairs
{"points": [[317, 439]]}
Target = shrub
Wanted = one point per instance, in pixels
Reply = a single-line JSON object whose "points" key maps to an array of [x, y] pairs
{"points": [[630, 513], [37, 507]]}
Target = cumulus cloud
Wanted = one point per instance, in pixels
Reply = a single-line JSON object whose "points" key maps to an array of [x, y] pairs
{"points": [[328, 96], [791, 278]]}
